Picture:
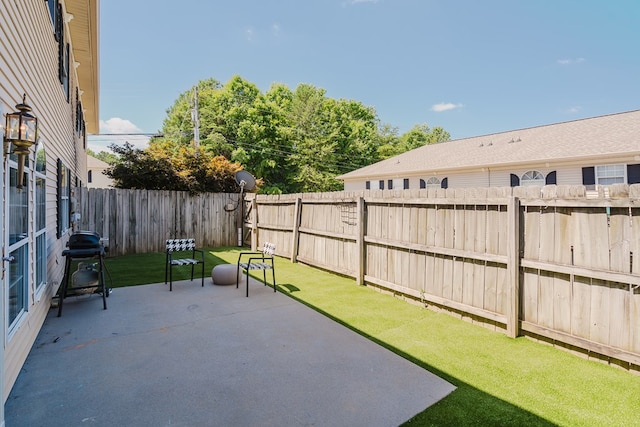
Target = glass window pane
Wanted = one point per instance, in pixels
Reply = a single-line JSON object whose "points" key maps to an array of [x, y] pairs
{"points": [[41, 158], [64, 190], [41, 200], [610, 181], [41, 259], [610, 174], [18, 208], [17, 282], [532, 178], [433, 182]]}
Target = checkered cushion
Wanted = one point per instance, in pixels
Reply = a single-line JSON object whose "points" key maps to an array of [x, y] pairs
{"points": [[184, 261], [269, 249], [255, 266], [174, 245]]}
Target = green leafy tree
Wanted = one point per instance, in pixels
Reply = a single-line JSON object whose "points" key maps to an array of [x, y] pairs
{"points": [[163, 167], [417, 136], [264, 144], [140, 169], [312, 152], [294, 140]]}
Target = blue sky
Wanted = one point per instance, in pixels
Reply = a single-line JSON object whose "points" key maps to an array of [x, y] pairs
{"points": [[472, 67]]}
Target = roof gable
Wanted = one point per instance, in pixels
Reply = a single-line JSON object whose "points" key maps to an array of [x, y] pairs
{"points": [[94, 163]]}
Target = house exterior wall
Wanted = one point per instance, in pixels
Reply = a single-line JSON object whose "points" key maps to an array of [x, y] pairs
{"points": [[566, 174], [29, 65], [96, 177], [467, 179], [99, 179]]}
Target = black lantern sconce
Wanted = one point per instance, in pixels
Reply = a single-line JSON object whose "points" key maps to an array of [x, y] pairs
{"points": [[20, 133]]}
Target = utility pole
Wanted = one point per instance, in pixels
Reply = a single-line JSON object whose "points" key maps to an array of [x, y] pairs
{"points": [[195, 118]]}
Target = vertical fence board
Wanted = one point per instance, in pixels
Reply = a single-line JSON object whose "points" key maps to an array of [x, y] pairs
{"points": [[599, 316], [619, 316], [443, 270], [562, 282], [424, 273], [634, 296], [513, 267], [432, 282], [581, 307], [620, 240], [546, 290], [491, 269]]}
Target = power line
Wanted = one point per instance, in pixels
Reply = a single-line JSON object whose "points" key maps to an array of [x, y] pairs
{"points": [[278, 150], [154, 134], [286, 153]]}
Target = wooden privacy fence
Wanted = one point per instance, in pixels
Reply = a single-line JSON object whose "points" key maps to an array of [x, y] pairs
{"points": [[139, 221], [550, 262]]}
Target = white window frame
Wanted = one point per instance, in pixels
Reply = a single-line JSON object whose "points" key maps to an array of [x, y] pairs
{"points": [[40, 221], [64, 198], [434, 183], [611, 174], [532, 178]]}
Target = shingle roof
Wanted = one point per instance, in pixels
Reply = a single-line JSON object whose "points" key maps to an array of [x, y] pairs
{"points": [[614, 134]]}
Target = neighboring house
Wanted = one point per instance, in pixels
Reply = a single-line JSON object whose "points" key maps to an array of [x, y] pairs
{"points": [[95, 173], [597, 151], [49, 52]]}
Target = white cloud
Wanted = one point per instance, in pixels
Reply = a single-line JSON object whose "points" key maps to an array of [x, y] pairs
{"points": [[249, 34], [276, 29], [573, 110], [118, 125], [445, 106], [117, 131], [570, 61]]}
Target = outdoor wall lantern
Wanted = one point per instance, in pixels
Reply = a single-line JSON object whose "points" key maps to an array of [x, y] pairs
{"points": [[20, 133]]}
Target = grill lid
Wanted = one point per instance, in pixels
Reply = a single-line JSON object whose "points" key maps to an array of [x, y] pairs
{"points": [[84, 240]]}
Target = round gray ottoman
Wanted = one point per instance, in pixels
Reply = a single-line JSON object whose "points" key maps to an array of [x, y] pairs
{"points": [[224, 274]]}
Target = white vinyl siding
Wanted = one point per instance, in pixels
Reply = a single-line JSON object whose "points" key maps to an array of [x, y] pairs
{"points": [[469, 179], [565, 175], [34, 71], [569, 175]]}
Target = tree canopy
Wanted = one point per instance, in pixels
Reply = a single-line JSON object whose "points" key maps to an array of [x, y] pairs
{"points": [[293, 140], [183, 169]]}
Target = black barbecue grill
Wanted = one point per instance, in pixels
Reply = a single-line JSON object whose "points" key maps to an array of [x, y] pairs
{"points": [[83, 245]]}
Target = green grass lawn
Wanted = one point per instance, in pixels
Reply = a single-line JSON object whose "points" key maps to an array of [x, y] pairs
{"points": [[500, 381]]}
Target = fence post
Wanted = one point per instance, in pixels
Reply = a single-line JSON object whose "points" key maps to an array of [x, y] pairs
{"points": [[254, 223], [513, 267], [296, 230], [361, 212]]}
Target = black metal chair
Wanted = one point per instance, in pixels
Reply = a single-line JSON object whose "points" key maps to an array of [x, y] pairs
{"points": [[262, 260], [177, 254]]}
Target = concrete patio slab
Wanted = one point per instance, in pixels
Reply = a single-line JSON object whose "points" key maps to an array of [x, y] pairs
{"points": [[211, 357]]}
